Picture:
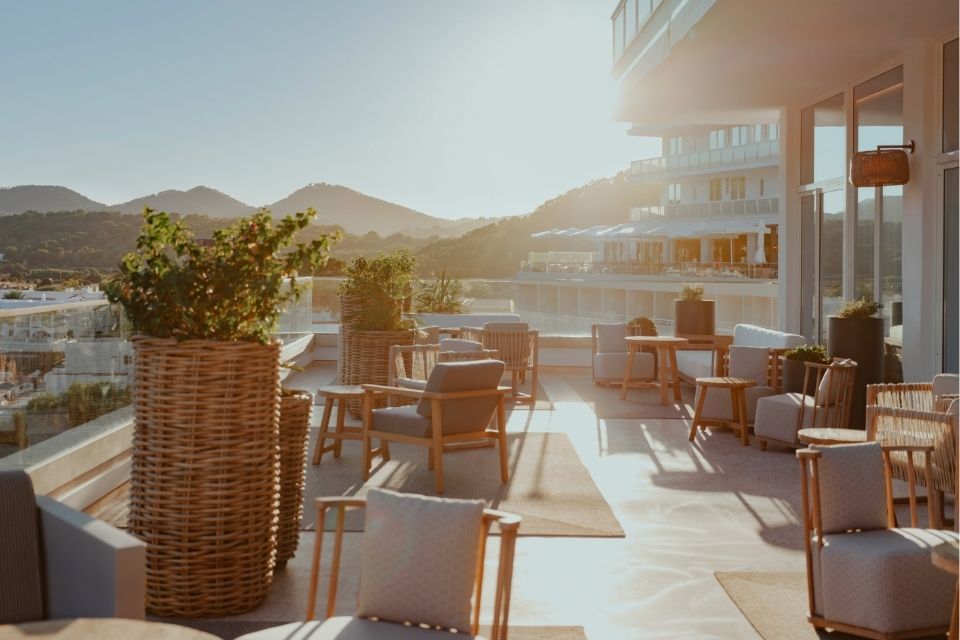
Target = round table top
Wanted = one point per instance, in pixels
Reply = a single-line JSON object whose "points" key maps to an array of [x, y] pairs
{"points": [[823, 435], [340, 390], [946, 556], [102, 629], [727, 382], [656, 340]]}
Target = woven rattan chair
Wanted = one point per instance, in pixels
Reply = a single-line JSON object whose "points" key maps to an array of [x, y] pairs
{"points": [[518, 346], [864, 576], [454, 409], [921, 396], [825, 402], [421, 570], [894, 426]]}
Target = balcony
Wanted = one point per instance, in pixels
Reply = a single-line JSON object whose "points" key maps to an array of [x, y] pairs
{"points": [[757, 154], [702, 210]]}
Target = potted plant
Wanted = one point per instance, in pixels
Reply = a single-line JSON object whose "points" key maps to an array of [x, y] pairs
{"points": [[793, 368], [442, 295], [206, 394], [644, 326], [856, 332], [692, 314], [371, 309]]}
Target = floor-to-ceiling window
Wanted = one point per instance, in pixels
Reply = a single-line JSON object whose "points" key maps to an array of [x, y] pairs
{"points": [[951, 209]]}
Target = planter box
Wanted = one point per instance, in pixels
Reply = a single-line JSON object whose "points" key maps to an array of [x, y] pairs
{"points": [[694, 317], [861, 340], [793, 372]]}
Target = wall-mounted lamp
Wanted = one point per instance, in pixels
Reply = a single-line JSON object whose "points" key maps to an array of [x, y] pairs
{"points": [[888, 165]]}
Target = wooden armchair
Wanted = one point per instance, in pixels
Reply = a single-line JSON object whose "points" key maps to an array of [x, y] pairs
{"points": [[864, 575], [518, 346]]}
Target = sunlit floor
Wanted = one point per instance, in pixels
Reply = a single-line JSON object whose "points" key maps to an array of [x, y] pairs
{"points": [[688, 510]]}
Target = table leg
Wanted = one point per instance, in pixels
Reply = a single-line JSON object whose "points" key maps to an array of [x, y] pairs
{"points": [[324, 426], [740, 397], [341, 417], [662, 355], [696, 413], [631, 350], [674, 375]]}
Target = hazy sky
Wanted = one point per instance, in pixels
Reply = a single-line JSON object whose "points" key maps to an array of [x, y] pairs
{"points": [[452, 107]]}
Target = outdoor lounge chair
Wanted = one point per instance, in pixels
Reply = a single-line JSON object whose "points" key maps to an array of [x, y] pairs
{"points": [[825, 402], [454, 408], [518, 346], [421, 571], [864, 576], [610, 355], [56, 562]]}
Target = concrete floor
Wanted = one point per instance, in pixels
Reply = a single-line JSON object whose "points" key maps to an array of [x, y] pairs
{"points": [[688, 510]]}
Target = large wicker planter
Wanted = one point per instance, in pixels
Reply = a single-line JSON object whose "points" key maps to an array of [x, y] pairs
{"points": [[295, 409], [367, 357], [204, 478]]}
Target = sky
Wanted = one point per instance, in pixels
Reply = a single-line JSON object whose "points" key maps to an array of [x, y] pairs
{"points": [[451, 107]]}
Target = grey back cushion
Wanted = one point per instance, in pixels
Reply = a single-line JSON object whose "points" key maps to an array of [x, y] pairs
{"points": [[852, 491], [465, 414], [21, 594], [611, 338]]}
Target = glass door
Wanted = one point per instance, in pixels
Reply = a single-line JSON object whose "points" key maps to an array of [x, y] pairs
{"points": [[951, 281], [821, 260]]}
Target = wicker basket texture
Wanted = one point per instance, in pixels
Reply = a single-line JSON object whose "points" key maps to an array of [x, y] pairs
{"points": [[295, 407], [205, 472]]}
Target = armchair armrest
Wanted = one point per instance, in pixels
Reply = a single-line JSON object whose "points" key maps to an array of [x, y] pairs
{"points": [[91, 569], [433, 395]]}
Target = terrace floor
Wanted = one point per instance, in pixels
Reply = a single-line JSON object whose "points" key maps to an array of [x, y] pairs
{"points": [[687, 509]]}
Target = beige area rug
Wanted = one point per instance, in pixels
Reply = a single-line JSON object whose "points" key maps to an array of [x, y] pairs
{"points": [[230, 629], [775, 604], [549, 486]]}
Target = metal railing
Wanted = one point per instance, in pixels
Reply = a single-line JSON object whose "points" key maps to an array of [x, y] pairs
{"points": [[717, 270], [701, 210], [742, 154]]}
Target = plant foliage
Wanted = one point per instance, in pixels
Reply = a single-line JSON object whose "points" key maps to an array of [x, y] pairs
{"points": [[691, 291], [808, 353], [380, 285], [14, 294], [442, 295], [645, 325], [859, 309], [230, 288]]}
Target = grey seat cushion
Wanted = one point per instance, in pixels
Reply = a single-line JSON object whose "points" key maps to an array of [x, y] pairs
{"points": [[20, 582], [348, 628], [402, 420]]}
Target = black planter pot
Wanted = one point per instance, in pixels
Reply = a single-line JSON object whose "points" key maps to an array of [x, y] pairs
{"points": [[793, 372], [694, 317], [860, 339]]}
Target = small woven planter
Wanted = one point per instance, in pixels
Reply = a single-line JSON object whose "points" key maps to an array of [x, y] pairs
{"points": [[367, 356], [295, 409], [204, 478]]}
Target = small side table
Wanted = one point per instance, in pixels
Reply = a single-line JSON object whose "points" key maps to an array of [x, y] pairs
{"points": [[946, 556], [667, 364], [334, 393], [822, 435], [738, 402]]}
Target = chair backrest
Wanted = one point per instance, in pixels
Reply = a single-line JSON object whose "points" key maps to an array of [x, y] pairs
{"points": [[459, 344], [902, 395], [832, 389], [848, 483], [463, 415], [895, 426], [421, 560], [20, 578], [750, 362], [413, 361], [946, 384], [515, 342], [609, 338]]}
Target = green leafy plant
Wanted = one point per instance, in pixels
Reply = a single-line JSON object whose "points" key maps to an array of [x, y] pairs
{"points": [[808, 353], [859, 309], [644, 325], [691, 291], [15, 294], [229, 288], [380, 286], [442, 295]]}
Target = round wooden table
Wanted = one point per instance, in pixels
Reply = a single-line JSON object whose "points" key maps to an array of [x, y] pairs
{"points": [[336, 393], [822, 435], [101, 629], [738, 402], [667, 376], [946, 556]]}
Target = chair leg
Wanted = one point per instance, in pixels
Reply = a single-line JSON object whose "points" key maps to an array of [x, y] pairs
{"points": [[430, 459], [502, 441], [438, 469], [324, 428], [384, 450], [696, 414], [365, 455]]}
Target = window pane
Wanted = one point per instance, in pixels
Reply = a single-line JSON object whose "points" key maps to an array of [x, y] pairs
{"points": [[631, 20], [891, 250], [951, 281], [863, 258], [950, 97], [823, 144], [808, 267], [831, 257]]}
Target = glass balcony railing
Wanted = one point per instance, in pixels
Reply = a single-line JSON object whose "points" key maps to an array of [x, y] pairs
{"points": [[628, 19], [699, 210], [715, 158]]}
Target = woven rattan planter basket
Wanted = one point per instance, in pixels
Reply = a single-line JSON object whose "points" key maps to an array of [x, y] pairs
{"points": [[368, 355], [204, 478], [295, 409]]}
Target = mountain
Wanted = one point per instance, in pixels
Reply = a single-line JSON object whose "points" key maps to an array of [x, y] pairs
{"points": [[358, 213], [33, 197], [496, 250], [200, 200]]}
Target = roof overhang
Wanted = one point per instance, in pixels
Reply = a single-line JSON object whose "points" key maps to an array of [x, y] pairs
{"points": [[744, 61]]}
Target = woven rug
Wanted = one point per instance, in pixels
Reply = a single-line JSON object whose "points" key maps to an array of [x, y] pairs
{"points": [[230, 629], [775, 604], [549, 486], [639, 403]]}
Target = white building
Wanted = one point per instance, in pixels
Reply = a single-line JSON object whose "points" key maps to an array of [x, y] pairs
{"points": [[106, 360]]}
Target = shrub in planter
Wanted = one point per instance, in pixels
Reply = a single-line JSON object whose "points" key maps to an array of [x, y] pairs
{"points": [[442, 295], [692, 314], [644, 326], [856, 332], [793, 367], [206, 394]]}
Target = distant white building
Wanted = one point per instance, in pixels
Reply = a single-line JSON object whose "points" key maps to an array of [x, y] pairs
{"points": [[106, 360]]}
